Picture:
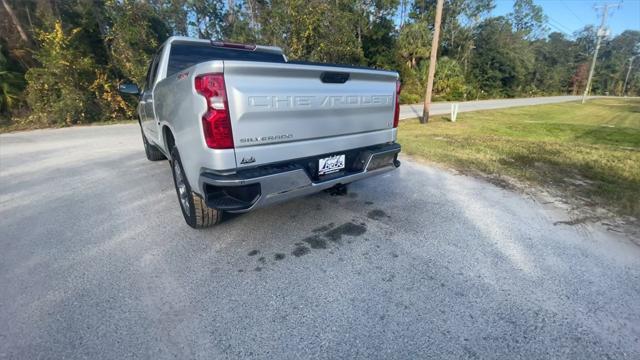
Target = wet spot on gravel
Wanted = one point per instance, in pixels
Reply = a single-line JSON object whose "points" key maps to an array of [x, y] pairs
{"points": [[377, 214], [262, 259], [368, 202], [278, 256], [316, 242], [253, 252], [328, 233], [300, 251], [348, 229], [323, 228], [258, 268], [352, 195]]}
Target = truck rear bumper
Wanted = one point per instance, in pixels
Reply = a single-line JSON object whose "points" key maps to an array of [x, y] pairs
{"points": [[265, 185]]}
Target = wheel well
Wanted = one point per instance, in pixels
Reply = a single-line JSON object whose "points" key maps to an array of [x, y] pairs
{"points": [[169, 140]]}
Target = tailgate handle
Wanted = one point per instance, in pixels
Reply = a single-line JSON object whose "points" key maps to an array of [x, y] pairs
{"points": [[331, 77]]}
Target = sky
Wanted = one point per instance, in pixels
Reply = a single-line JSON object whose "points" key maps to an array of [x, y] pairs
{"points": [[570, 15]]}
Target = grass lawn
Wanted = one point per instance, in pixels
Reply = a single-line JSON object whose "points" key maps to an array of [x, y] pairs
{"points": [[589, 153]]}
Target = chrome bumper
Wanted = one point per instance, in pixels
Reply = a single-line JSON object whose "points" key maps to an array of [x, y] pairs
{"points": [[289, 184]]}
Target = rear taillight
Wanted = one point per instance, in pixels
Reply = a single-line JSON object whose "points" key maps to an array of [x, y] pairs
{"points": [[396, 114], [216, 123]]}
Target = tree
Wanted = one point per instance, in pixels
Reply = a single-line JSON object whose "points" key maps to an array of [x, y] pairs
{"points": [[239, 27], [133, 37], [554, 64], [16, 21], [528, 19], [414, 43], [11, 85], [174, 13], [615, 57], [449, 83], [325, 34], [208, 18], [376, 31], [58, 91], [502, 60]]}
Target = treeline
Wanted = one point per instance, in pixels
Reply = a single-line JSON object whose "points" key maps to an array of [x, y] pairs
{"points": [[61, 60]]}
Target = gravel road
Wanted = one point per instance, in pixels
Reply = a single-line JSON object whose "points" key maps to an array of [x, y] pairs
{"points": [[96, 262]]}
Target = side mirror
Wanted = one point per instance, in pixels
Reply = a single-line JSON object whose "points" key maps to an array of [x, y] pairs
{"points": [[131, 89]]}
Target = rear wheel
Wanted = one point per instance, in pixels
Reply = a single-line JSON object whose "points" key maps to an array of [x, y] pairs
{"points": [[152, 152], [196, 213]]}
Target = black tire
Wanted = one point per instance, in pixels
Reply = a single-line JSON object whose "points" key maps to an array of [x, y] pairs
{"points": [[152, 152], [196, 213]]}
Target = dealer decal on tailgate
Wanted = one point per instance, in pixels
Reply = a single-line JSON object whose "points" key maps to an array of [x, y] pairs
{"points": [[331, 164]]}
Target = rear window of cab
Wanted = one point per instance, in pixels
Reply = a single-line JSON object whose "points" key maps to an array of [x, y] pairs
{"points": [[182, 56]]}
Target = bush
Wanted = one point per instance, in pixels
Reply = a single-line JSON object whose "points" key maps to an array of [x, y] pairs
{"points": [[111, 103], [449, 82], [59, 91]]}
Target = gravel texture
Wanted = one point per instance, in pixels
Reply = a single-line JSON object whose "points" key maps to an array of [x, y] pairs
{"points": [[96, 262]]}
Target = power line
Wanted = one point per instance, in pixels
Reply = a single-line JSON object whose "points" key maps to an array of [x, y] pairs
{"points": [[560, 30], [558, 25], [571, 11]]}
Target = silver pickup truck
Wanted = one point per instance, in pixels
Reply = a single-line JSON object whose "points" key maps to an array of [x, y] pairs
{"points": [[243, 127]]}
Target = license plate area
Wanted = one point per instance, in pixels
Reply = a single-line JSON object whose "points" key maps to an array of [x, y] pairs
{"points": [[331, 164]]}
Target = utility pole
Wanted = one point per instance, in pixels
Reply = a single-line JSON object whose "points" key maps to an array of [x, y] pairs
{"points": [[602, 32], [432, 63], [626, 78]]}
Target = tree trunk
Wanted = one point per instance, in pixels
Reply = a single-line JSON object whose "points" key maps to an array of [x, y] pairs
{"points": [[252, 12], [231, 15], [16, 21]]}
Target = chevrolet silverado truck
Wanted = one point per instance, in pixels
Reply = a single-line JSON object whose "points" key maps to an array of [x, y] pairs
{"points": [[243, 127]]}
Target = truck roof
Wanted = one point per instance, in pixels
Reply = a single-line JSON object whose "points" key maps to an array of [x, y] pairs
{"points": [[275, 50], [186, 40]]}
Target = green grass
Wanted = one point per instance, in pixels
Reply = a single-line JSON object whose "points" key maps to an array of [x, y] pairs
{"points": [[589, 153]]}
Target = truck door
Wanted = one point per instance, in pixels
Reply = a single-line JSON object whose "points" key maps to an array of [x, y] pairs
{"points": [[149, 122]]}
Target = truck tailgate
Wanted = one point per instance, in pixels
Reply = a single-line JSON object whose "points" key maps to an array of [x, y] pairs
{"points": [[272, 103]]}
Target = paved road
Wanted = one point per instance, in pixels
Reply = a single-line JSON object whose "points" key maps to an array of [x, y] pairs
{"points": [[439, 108], [96, 262]]}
